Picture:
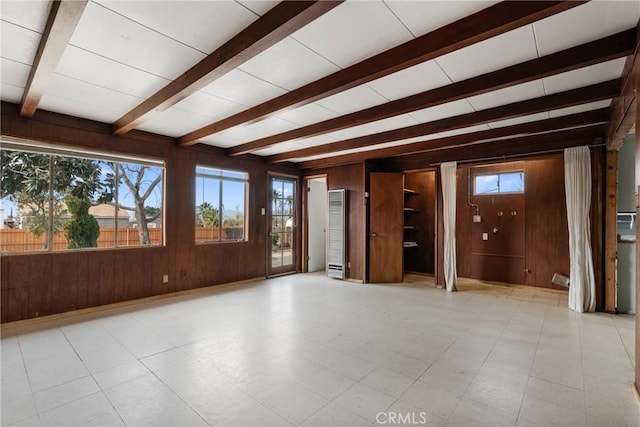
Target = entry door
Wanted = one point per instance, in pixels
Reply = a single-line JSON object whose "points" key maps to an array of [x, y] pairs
{"points": [[283, 226], [317, 224], [386, 210]]}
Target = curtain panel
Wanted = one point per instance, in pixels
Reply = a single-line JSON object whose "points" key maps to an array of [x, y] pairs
{"points": [[577, 180], [448, 175]]}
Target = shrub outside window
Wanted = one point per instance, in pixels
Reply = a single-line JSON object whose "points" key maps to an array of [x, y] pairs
{"points": [[498, 183], [221, 200], [54, 199]]}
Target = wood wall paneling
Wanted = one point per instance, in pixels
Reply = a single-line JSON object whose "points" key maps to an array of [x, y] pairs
{"points": [[72, 280], [18, 288], [547, 234], [64, 283]]}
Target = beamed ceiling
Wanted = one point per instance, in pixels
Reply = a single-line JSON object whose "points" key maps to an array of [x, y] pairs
{"points": [[329, 82]]}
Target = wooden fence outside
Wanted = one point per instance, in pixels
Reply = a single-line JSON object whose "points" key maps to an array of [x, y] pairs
{"points": [[21, 240]]}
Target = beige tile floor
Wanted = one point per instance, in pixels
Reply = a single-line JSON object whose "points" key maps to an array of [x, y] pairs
{"points": [[310, 351]]}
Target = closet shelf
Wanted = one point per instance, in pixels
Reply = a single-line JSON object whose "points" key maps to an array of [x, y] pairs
{"points": [[410, 227], [411, 210], [409, 192], [410, 244]]}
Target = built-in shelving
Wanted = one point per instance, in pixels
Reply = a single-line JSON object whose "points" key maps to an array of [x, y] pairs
{"points": [[411, 210], [410, 244]]}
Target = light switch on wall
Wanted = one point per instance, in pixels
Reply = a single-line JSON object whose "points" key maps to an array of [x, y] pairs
{"points": [[485, 236]]}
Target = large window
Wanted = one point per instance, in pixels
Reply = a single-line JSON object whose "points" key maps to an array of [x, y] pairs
{"points": [[499, 183], [54, 199], [221, 199]]}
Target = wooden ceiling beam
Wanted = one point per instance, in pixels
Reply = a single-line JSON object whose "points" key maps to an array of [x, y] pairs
{"points": [[61, 23], [278, 23], [597, 92], [539, 126], [623, 108], [504, 148], [602, 50], [487, 23]]}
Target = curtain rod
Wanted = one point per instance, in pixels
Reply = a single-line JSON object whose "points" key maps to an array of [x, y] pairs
{"points": [[514, 155]]}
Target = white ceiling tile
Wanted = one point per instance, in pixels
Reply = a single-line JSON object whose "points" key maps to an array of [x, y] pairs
{"points": [[489, 55], [280, 148], [259, 7], [419, 138], [422, 17], [308, 114], [261, 129], [81, 92], [28, 14], [289, 64], [584, 76], [352, 132], [355, 99], [14, 73], [174, 122], [401, 121], [76, 108], [209, 106], [587, 22], [580, 108], [222, 141], [449, 109], [242, 88], [508, 95], [353, 31], [518, 120], [416, 79], [314, 141], [203, 25], [100, 71], [463, 130], [11, 93], [18, 44], [109, 34]]}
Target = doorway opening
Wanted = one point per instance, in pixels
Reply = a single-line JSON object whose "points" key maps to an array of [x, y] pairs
{"points": [[315, 225], [282, 238]]}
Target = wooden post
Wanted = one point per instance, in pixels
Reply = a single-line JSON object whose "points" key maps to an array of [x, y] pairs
{"points": [[610, 233]]}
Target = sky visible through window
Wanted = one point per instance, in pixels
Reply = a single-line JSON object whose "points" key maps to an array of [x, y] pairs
{"points": [[509, 182]]}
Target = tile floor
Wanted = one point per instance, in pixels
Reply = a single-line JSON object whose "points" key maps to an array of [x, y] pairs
{"points": [[306, 350]]}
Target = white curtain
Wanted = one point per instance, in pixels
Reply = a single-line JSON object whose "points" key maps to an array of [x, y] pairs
{"points": [[448, 175], [577, 182]]}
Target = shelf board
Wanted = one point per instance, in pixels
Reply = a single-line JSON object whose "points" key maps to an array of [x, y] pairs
{"points": [[409, 192], [410, 227], [411, 210], [410, 244]]}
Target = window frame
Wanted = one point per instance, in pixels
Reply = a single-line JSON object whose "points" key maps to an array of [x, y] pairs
{"points": [[219, 176], [54, 150], [499, 174]]}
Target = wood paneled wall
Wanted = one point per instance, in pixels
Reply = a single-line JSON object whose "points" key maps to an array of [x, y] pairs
{"points": [[352, 179], [546, 233], [40, 284]]}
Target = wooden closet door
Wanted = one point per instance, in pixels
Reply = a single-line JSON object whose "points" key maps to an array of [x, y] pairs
{"points": [[386, 200]]}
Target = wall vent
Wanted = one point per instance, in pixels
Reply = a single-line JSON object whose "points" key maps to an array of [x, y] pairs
{"points": [[336, 238]]}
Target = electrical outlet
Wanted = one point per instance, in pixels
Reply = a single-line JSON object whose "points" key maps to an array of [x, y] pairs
{"points": [[477, 218], [485, 236], [165, 278]]}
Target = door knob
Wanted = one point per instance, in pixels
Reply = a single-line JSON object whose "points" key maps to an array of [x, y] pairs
{"points": [[372, 234]]}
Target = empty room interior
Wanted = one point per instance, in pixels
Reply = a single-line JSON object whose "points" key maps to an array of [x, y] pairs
{"points": [[319, 213]]}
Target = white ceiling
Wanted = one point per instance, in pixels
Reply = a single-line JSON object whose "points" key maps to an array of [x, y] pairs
{"points": [[124, 51]]}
